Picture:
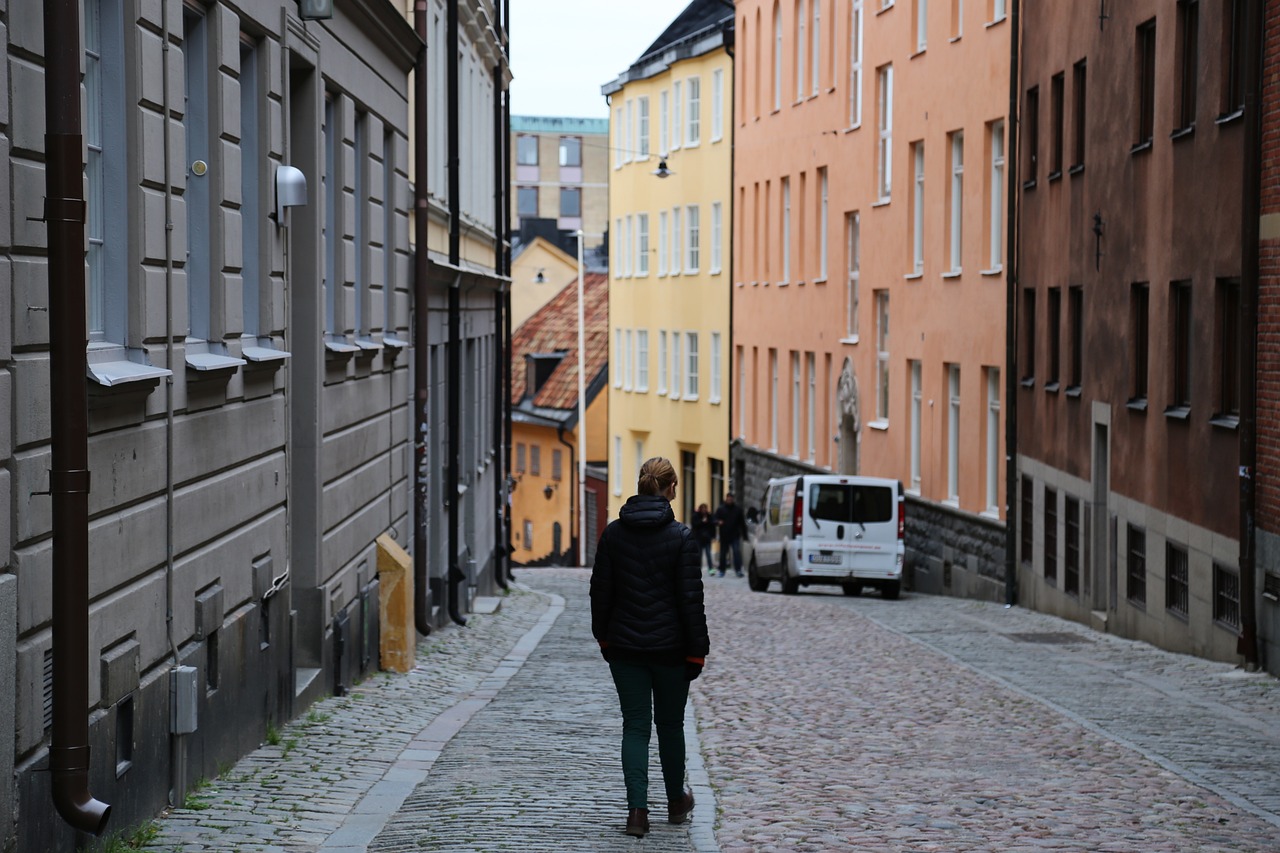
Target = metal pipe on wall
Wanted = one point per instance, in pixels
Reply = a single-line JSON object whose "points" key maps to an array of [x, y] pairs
{"points": [[1011, 320], [69, 417], [421, 330], [501, 351], [453, 481]]}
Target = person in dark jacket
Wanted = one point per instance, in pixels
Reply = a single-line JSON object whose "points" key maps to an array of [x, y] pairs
{"points": [[733, 527], [647, 614], [703, 525]]}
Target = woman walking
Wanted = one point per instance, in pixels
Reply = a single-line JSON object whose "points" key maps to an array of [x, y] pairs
{"points": [[647, 614]]}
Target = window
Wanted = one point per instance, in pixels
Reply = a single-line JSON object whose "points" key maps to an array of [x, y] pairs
{"points": [[662, 361], [526, 150], [800, 33], [677, 123], [917, 399], [956, 205], [1032, 123], [662, 243], [917, 209], [717, 481], [1175, 579], [1228, 348], [628, 246], [519, 457], [922, 23], [1075, 337], [1139, 299], [628, 361], [330, 187], [571, 201], [822, 220], [777, 56], [1188, 61], [1078, 85], [717, 105], [360, 225], [815, 54], [1135, 576], [1233, 58], [715, 367], [882, 355], [1180, 343], [855, 63], [677, 366], [716, 239], [693, 127], [664, 121], [773, 399], [688, 482], [616, 465], [616, 361], [1057, 108], [1146, 82], [197, 198], [1055, 337], [993, 439], [625, 132], [953, 433], [795, 404], [535, 460], [884, 166], [786, 230], [693, 247], [998, 10], [557, 464], [570, 151], [1071, 563], [642, 360], [852, 249], [642, 244], [528, 532], [1051, 535], [1026, 520], [251, 182], [1226, 596], [995, 199], [526, 202], [1028, 335], [691, 369], [677, 242], [957, 19], [812, 400], [620, 248], [642, 108]]}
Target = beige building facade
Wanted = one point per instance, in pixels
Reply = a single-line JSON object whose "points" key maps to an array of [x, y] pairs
{"points": [[560, 172]]}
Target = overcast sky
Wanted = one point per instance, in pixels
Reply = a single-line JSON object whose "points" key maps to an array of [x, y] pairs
{"points": [[563, 51]]}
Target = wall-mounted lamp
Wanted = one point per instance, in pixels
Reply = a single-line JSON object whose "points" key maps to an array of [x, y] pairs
{"points": [[540, 278], [548, 490], [291, 190], [315, 10], [662, 171]]}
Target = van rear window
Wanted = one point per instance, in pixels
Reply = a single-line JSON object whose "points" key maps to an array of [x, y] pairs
{"points": [[850, 503]]}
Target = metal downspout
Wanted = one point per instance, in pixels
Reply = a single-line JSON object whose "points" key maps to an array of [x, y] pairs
{"points": [[500, 351], [421, 327], [1011, 384], [506, 303], [1250, 228], [69, 472], [452, 493]]}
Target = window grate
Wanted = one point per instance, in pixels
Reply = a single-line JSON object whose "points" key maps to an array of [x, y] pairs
{"points": [[1071, 573], [1226, 596], [1136, 572], [1051, 535], [1028, 520], [1175, 585], [48, 688]]}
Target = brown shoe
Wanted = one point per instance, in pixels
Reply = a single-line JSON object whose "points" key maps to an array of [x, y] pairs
{"points": [[637, 822], [679, 810]]}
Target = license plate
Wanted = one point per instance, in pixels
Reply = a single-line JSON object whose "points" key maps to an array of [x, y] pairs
{"points": [[826, 559]]}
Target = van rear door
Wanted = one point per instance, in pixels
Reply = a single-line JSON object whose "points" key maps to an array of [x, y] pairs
{"points": [[851, 524]]}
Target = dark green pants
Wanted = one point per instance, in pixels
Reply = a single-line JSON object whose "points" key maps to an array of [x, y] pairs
{"points": [[651, 695]]}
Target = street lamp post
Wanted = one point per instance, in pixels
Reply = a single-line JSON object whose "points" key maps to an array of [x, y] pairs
{"points": [[582, 417]]}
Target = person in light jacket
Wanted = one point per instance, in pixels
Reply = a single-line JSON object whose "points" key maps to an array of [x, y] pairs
{"points": [[647, 615]]}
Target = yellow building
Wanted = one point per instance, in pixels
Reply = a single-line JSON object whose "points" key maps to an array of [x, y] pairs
{"points": [[669, 276], [539, 270]]}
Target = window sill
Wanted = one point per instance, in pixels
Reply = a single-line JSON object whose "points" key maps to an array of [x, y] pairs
{"points": [[368, 346], [851, 128], [822, 280], [954, 503], [1228, 422], [716, 139], [782, 283], [920, 51], [885, 8], [1029, 185], [1051, 387], [691, 398], [341, 348], [1183, 132], [265, 355], [881, 202], [692, 144], [951, 274], [1077, 169], [1178, 413], [116, 374], [851, 340], [996, 270], [1137, 404], [1028, 382], [999, 20], [878, 424], [392, 342], [715, 271], [715, 401], [913, 276], [1142, 147], [1230, 117], [1055, 175], [207, 362], [955, 39], [1074, 391]]}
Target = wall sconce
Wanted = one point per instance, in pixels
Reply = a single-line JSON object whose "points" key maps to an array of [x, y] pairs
{"points": [[548, 491], [291, 190], [540, 278], [662, 171], [315, 10]]}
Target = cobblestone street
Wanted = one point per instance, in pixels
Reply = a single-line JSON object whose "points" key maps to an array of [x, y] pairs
{"points": [[825, 723]]}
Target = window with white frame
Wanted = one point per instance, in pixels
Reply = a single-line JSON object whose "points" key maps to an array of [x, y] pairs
{"points": [[360, 224], [777, 57], [882, 355], [628, 246], [716, 229], [620, 249], [786, 230], [693, 246], [677, 121], [995, 202], [953, 432], [715, 367], [853, 262], [922, 23], [106, 139], [662, 361], [628, 129], [993, 439], [917, 209], [677, 242], [717, 105], [642, 360], [815, 55], [250, 188], [957, 19], [664, 121], [998, 10], [617, 465], [619, 141], [917, 412], [773, 400], [884, 119], [800, 33], [822, 223], [742, 390], [795, 404], [811, 365], [616, 361], [677, 366], [642, 129], [691, 366], [956, 208], [198, 200], [693, 125], [662, 243], [855, 63], [642, 244], [628, 363], [330, 187]]}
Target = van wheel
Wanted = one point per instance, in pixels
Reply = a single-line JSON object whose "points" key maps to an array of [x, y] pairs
{"points": [[851, 588], [790, 585], [891, 589], [754, 581]]}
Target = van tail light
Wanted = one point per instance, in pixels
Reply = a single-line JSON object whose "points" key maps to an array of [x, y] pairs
{"points": [[902, 519], [797, 515]]}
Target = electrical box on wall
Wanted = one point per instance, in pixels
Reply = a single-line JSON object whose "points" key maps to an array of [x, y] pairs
{"points": [[184, 695], [315, 10]]}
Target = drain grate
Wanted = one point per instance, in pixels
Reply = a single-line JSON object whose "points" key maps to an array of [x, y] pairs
{"points": [[1048, 638]]}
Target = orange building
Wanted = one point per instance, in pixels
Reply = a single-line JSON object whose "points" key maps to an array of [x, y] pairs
{"points": [[869, 294], [544, 422]]}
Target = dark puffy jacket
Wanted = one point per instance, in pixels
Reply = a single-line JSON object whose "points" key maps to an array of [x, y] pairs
{"points": [[646, 586]]}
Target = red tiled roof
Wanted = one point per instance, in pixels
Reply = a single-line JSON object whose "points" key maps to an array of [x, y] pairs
{"points": [[554, 327]]}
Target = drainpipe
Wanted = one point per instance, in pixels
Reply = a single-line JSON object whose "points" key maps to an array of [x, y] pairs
{"points": [[69, 475], [452, 494], [501, 354], [506, 301], [421, 326], [579, 555], [1011, 384], [1247, 645]]}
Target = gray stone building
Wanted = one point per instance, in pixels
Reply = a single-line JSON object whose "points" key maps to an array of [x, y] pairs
{"points": [[261, 351]]}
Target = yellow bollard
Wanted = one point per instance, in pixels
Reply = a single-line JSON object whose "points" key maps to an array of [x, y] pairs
{"points": [[399, 633]]}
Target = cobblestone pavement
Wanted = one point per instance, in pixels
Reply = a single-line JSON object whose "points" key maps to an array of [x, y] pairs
{"points": [[949, 732], [825, 723]]}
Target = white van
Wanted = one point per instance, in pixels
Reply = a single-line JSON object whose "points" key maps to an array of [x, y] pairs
{"points": [[830, 529]]}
